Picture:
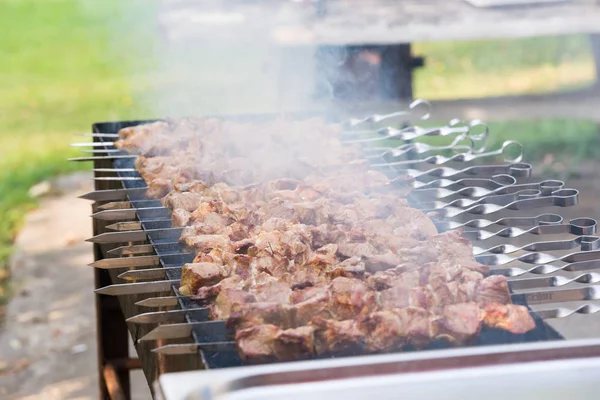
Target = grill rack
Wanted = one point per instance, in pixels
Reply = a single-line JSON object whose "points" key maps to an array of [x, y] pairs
{"points": [[152, 222]]}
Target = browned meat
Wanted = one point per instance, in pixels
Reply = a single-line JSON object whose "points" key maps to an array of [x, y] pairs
{"points": [[194, 276], [510, 317], [295, 343], [205, 243], [459, 323], [306, 251], [349, 297], [332, 337], [272, 292], [227, 300], [208, 292], [180, 217], [257, 344], [384, 331], [493, 289], [188, 201]]}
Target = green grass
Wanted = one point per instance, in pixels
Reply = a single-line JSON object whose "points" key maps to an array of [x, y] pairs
{"points": [[59, 72], [67, 63], [499, 67]]}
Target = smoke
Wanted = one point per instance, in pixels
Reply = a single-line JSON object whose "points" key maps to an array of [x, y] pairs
{"points": [[217, 58]]}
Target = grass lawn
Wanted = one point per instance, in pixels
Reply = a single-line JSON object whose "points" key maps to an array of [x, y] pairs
{"points": [[62, 67]]}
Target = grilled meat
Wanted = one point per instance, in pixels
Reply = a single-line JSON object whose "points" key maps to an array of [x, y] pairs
{"points": [[313, 253]]}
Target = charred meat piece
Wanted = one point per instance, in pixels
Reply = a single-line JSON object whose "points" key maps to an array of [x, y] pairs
{"points": [[510, 317]]}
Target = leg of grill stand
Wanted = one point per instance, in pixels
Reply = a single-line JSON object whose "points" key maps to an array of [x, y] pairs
{"points": [[112, 344]]}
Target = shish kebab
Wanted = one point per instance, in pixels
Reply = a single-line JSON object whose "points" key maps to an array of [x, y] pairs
{"points": [[295, 246]]}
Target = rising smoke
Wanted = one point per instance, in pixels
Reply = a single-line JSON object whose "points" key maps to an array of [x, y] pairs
{"points": [[215, 57]]}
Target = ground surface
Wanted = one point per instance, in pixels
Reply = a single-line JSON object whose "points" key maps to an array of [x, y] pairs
{"points": [[48, 339]]}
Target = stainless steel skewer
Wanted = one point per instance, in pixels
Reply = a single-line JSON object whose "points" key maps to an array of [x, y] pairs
{"points": [[559, 198], [537, 258], [577, 226], [586, 243]]}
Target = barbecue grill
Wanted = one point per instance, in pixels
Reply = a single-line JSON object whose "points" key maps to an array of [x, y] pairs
{"points": [[511, 219]]}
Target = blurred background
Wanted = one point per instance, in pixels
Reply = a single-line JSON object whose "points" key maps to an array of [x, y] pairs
{"points": [[65, 64]]}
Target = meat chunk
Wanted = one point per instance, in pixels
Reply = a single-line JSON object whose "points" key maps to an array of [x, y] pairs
{"points": [[205, 243], [510, 317], [295, 343], [459, 323], [384, 331], [257, 344], [227, 301], [333, 337], [196, 275]]}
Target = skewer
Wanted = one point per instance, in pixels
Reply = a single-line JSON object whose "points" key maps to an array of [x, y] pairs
{"points": [[477, 190], [137, 288], [114, 194], [499, 199], [129, 204], [143, 261], [99, 135], [101, 151], [137, 236], [543, 219], [107, 157], [131, 213], [563, 312], [553, 281], [586, 243], [168, 316], [125, 226], [126, 262], [559, 198], [118, 178], [193, 348], [116, 205], [577, 226], [160, 223], [131, 250], [536, 258], [115, 170], [416, 148], [177, 331], [157, 302], [521, 170], [469, 131], [152, 273], [460, 157], [93, 144], [578, 266], [160, 248], [376, 118]]}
